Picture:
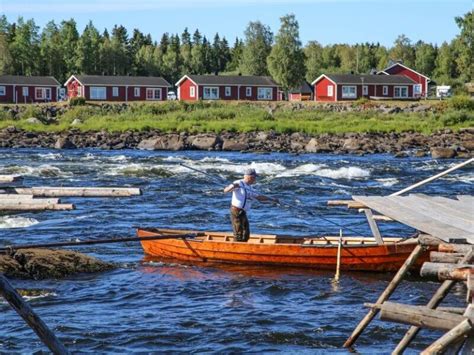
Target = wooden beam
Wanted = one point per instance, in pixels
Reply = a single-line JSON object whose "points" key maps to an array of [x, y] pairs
{"points": [[446, 271], [373, 226], [455, 248], [30, 317], [348, 203], [9, 178], [454, 335], [27, 200], [438, 257], [77, 191], [36, 207], [385, 295]]}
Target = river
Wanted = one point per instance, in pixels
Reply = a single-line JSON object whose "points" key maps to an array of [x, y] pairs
{"points": [[152, 306]]}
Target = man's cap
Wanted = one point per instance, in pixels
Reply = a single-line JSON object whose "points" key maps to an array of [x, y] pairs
{"points": [[250, 172]]}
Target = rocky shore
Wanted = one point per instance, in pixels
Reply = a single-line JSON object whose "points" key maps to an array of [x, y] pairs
{"points": [[442, 144], [45, 264]]}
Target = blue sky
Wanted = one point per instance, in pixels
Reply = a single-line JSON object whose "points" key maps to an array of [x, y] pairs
{"points": [[327, 21]]}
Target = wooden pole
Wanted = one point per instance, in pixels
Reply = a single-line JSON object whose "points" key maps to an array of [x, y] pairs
{"points": [[338, 264], [433, 303], [20, 206], [451, 337], [437, 176], [385, 295], [30, 317], [75, 191]]}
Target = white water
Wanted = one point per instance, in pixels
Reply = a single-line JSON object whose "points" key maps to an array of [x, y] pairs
{"points": [[16, 222]]}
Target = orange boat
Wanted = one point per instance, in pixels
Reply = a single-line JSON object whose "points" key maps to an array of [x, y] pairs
{"points": [[357, 253]]}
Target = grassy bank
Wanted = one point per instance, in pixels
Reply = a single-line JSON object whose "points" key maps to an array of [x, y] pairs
{"points": [[244, 117]]}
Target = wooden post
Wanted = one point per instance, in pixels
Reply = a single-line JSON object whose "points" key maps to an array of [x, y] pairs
{"points": [[373, 226], [30, 317], [433, 303], [338, 263], [385, 295], [451, 337]]}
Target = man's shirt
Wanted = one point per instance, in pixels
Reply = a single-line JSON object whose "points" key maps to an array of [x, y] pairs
{"points": [[243, 195]]}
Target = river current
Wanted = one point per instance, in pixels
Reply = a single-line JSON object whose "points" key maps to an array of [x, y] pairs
{"points": [[152, 306]]}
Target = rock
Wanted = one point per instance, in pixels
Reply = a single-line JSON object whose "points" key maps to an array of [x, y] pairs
{"points": [[400, 155], [64, 143], [76, 122], [46, 263], [204, 142], [442, 153], [351, 144], [468, 145], [420, 153], [234, 145], [33, 120], [314, 146], [168, 142]]}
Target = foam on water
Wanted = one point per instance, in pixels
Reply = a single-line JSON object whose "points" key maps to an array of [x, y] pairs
{"points": [[44, 170], [50, 156], [305, 169], [351, 172], [139, 170], [16, 222], [387, 182]]}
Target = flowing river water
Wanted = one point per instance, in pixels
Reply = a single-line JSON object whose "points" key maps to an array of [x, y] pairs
{"points": [[153, 306]]}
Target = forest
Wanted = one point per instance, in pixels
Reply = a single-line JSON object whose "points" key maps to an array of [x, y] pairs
{"points": [[60, 49]]}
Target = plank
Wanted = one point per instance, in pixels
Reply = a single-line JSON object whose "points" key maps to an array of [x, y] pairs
{"points": [[448, 205], [4, 179], [373, 226]]}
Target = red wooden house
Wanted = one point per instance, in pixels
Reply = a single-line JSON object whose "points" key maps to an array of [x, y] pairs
{"points": [[227, 87], [343, 87], [117, 88], [301, 93], [28, 89], [421, 87]]}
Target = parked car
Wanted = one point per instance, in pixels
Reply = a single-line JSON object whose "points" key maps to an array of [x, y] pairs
{"points": [[171, 95]]}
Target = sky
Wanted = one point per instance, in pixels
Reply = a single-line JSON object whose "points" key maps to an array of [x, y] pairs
{"points": [[325, 21]]}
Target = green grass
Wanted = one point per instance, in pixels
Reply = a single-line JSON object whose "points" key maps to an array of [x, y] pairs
{"points": [[216, 117]]}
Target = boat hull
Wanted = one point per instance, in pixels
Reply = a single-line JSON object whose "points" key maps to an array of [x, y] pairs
{"points": [[215, 247]]}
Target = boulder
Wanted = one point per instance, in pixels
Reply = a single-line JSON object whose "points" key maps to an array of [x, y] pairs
{"points": [[234, 145], [46, 263], [33, 120], [168, 142], [64, 143], [352, 144], [76, 122], [204, 142], [442, 153]]}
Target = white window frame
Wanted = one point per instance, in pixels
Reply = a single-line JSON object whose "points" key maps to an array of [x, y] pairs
{"points": [[248, 91], [154, 92], [400, 89], [264, 93], [79, 90], [385, 90], [365, 90], [3, 90], [98, 92], [417, 89], [136, 92], [25, 91], [192, 91], [47, 93], [228, 91], [39, 91], [330, 90], [349, 92], [115, 91], [210, 93]]}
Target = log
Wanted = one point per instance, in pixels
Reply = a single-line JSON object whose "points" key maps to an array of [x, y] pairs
{"points": [[77, 191], [20, 201], [30, 317], [37, 207], [454, 335], [455, 248], [422, 317], [15, 197], [470, 288], [428, 240], [348, 203], [9, 178], [439, 257], [445, 271]]}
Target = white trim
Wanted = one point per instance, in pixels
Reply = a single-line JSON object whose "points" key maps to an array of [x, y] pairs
{"points": [[323, 76], [404, 66], [98, 89], [365, 90], [70, 78], [154, 91], [382, 72], [115, 93], [332, 91], [385, 90], [227, 94], [135, 90], [3, 90], [350, 95], [266, 89], [247, 91], [27, 91], [400, 87], [192, 91], [210, 97], [182, 79]]}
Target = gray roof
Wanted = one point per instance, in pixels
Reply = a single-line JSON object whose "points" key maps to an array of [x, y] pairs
{"points": [[28, 80], [122, 80], [305, 88], [232, 80], [370, 79]]}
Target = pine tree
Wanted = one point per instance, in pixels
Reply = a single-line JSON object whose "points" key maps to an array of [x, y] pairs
{"points": [[425, 56], [464, 47], [403, 51], [69, 38], [25, 48], [198, 55], [314, 60], [258, 44], [444, 64], [6, 60], [186, 52], [172, 60], [235, 55], [88, 51], [120, 49]]}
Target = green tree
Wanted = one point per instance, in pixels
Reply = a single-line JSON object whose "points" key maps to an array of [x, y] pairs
{"points": [[198, 55], [186, 52], [286, 59], [258, 44], [69, 38], [403, 51], [88, 51], [146, 63], [25, 48], [235, 56], [120, 50], [172, 60], [313, 60], [6, 60], [106, 55], [444, 64], [52, 63], [464, 46], [425, 56]]}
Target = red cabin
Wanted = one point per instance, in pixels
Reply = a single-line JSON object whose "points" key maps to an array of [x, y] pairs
{"points": [[345, 87], [117, 88], [302, 93], [28, 89], [421, 87], [227, 87]]}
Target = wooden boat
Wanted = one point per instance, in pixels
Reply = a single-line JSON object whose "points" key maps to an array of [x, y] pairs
{"points": [[358, 253]]}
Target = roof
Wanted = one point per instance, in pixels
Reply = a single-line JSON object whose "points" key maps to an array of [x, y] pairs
{"points": [[305, 88], [359, 79], [250, 80], [404, 66], [120, 80], [28, 80], [441, 217]]}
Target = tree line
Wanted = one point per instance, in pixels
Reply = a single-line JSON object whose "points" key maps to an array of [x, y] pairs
{"points": [[59, 50]]}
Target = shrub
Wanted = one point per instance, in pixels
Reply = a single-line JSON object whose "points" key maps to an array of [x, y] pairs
{"points": [[77, 101], [32, 111], [457, 117], [461, 102]]}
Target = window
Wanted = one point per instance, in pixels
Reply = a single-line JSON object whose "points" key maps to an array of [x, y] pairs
{"points": [[79, 91], [365, 90], [210, 93], [349, 92], [264, 93], [192, 91], [39, 93], [3, 91], [248, 91], [228, 91], [153, 94], [98, 93], [385, 91], [330, 90], [400, 91], [136, 92], [26, 91], [115, 91], [47, 93], [417, 89]]}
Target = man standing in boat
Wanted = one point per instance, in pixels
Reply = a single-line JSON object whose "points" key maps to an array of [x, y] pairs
{"points": [[242, 196]]}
